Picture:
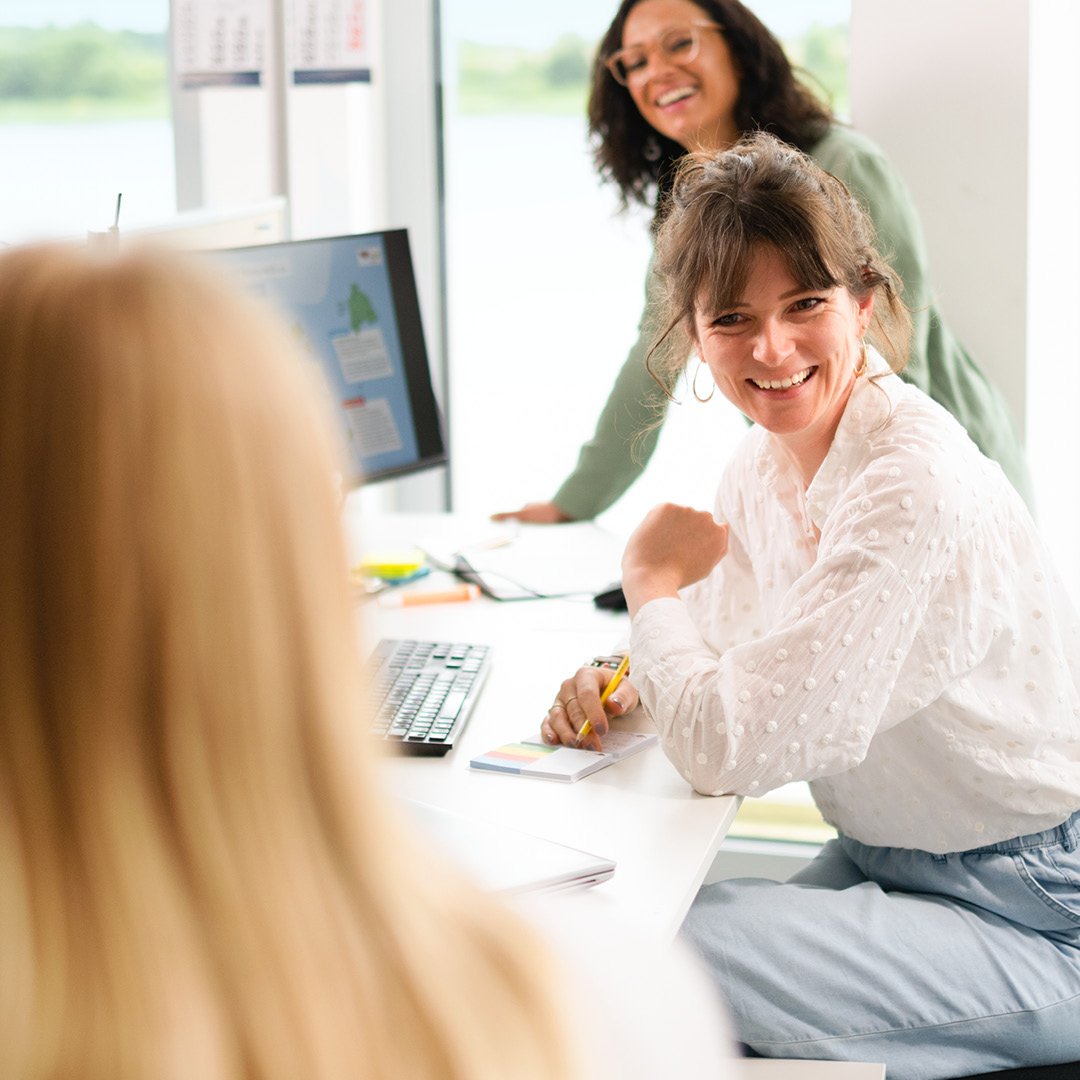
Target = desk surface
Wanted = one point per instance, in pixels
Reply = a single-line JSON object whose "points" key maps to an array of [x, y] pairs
{"points": [[639, 812]]}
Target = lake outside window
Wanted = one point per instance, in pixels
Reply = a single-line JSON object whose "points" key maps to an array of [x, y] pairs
{"points": [[84, 117]]}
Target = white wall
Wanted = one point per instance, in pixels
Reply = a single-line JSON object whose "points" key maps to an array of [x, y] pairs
{"points": [[977, 104], [1053, 278], [942, 87]]}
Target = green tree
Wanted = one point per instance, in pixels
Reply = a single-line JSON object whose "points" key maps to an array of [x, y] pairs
{"points": [[568, 62], [79, 62], [823, 52]]}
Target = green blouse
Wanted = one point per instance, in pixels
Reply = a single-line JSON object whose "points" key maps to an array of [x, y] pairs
{"points": [[627, 431]]}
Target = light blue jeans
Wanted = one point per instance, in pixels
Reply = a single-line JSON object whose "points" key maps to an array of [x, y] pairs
{"points": [[938, 965]]}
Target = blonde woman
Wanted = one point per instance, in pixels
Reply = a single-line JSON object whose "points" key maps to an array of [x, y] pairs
{"points": [[200, 877]]}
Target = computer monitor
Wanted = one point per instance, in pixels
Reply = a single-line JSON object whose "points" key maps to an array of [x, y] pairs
{"points": [[353, 301]]}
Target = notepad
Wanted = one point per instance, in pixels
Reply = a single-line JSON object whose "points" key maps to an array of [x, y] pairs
{"points": [[533, 757]]}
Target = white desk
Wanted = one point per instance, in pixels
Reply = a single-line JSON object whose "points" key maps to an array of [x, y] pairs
{"points": [[639, 812]]}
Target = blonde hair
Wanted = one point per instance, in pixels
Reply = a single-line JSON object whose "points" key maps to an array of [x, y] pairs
{"points": [[200, 875]]}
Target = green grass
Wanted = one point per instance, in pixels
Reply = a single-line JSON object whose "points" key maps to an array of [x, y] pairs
{"points": [[510, 79], [507, 79]]}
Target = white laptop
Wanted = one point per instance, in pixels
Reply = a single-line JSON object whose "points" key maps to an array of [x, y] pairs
{"points": [[505, 860]]}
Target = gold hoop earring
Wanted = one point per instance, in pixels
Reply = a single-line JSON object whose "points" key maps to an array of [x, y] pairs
{"points": [[861, 367], [693, 385]]}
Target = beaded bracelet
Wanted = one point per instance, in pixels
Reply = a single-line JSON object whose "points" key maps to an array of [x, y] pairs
{"points": [[610, 662]]}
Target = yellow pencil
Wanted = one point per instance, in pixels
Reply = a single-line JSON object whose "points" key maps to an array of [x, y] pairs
{"points": [[620, 671]]}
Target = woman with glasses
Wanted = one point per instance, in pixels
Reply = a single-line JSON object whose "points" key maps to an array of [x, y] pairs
{"points": [[673, 76]]}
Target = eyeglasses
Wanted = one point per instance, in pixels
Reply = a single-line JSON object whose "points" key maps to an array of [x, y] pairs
{"points": [[677, 45]]}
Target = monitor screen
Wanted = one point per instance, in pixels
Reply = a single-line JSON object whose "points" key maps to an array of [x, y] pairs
{"points": [[352, 301]]}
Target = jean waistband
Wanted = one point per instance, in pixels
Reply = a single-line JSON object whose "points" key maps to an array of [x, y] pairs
{"points": [[1067, 834]]}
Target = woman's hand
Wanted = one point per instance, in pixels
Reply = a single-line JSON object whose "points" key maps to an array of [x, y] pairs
{"points": [[578, 700], [672, 548], [534, 513]]}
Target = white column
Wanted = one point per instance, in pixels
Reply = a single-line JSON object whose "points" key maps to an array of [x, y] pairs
{"points": [[412, 162], [223, 103], [1053, 279], [976, 102], [336, 168], [942, 87]]}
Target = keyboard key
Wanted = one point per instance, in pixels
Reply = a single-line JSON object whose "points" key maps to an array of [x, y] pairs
{"points": [[423, 692]]}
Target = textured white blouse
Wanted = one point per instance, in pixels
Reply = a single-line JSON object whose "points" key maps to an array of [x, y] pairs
{"points": [[919, 663]]}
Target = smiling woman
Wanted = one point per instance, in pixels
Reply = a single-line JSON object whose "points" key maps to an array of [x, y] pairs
{"points": [[869, 608], [784, 293], [680, 73], [787, 359], [701, 73]]}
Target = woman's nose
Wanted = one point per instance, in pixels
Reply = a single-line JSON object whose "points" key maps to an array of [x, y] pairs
{"points": [[657, 61], [772, 344]]}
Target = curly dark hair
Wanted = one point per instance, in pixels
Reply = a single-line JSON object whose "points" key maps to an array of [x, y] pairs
{"points": [[770, 99]]}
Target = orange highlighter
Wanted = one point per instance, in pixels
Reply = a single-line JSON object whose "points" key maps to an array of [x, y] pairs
{"points": [[430, 596]]}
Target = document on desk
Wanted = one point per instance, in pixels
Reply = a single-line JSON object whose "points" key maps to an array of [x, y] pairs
{"points": [[578, 558], [533, 757], [501, 859]]}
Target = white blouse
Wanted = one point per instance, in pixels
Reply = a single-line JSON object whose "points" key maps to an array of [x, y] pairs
{"points": [[919, 663]]}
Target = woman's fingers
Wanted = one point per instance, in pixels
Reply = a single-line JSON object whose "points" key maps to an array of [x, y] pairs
{"points": [[623, 700], [556, 726], [578, 700], [534, 513]]}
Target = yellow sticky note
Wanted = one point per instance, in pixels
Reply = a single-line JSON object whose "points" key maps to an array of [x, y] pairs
{"points": [[391, 564]]}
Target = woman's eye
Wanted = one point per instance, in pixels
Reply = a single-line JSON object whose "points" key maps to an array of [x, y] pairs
{"points": [[633, 62], [808, 303], [678, 43], [732, 318]]}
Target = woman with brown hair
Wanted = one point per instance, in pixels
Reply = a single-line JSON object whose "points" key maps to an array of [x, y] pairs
{"points": [[869, 609], [201, 875]]}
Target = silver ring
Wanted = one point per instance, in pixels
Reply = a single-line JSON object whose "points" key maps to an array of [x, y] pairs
{"points": [[557, 705], [568, 700]]}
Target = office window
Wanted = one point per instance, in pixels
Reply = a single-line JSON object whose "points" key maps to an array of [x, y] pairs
{"points": [[545, 279], [84, 116]]}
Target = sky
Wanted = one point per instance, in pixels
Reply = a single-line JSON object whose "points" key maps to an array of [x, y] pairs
{"points": [[498, 22], [515, 22], [146, 15]]}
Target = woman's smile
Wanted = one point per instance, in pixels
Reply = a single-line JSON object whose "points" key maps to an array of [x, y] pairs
{"points": [[785, 354], [673, 97], [790, 382]]}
